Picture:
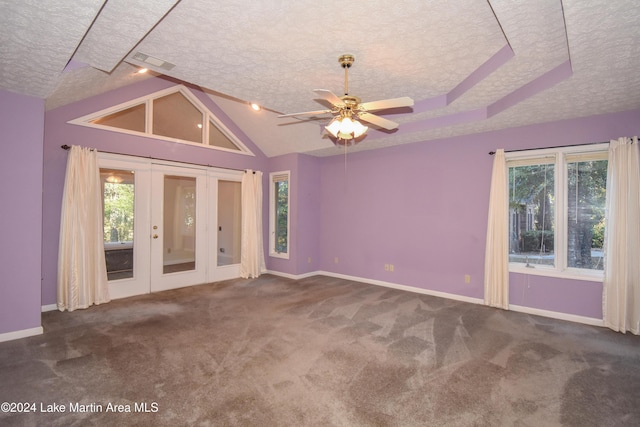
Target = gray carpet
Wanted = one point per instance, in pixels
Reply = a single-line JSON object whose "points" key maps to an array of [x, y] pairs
{"points": [[317, 352]]}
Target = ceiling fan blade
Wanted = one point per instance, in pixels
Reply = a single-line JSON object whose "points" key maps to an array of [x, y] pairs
{"points": [[378, 121], [306, 113], [330, 96], [387, 103]]}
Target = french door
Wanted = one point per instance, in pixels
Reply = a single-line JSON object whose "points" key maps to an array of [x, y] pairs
{"points": [[178, 227], [168, 226]]}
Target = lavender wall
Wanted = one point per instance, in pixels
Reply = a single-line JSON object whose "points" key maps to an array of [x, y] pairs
{"points": [[304, 210], [423, 208], [58, 132], [22, 124], [307, 194]]}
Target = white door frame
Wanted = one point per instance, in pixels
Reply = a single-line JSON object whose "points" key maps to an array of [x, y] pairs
{"points": [[223, 272], [139, 283], [161, 281], [142, 282]]}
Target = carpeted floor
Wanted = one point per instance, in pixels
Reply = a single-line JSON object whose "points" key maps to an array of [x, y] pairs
{"points": [[316, 352]]}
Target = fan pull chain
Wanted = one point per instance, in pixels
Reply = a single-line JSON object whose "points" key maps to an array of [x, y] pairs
{"points": [[345, 160]]}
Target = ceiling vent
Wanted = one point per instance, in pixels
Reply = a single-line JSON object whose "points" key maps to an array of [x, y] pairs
{"points": [[150, 60]]}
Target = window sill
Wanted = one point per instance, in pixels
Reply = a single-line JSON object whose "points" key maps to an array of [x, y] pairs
{"points": [[573, 274], [279, 255]]}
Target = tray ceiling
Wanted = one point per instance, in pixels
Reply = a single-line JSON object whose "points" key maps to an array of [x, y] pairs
{"points": [[471, 66]]}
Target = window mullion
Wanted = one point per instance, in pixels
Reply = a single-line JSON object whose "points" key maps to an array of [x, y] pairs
{"points": [[205, 129], [561, 213], [148, 118]]}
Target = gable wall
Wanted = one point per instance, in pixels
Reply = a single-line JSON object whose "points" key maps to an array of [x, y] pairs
{"points": [[58, 132]]}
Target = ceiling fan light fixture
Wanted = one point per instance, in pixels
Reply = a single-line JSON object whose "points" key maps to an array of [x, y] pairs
{"points": [[346, 128], [348, 111], [359, 129], [334, 127]]}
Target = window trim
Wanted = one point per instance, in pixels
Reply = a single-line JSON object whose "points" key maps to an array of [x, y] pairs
{"points": [[272, 214], [561, 156], [147, 100]]}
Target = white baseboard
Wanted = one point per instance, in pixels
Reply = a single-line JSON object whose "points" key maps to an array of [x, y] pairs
{"points": [[49, 307], [10, 336], [379, 283], [521, 309], [557, 315], [403, 287], [293, 276]]}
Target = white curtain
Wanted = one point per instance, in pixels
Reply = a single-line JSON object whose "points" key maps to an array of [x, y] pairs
{"points": [[82, 272], [621, 294], [252, 252], [496, 262]]}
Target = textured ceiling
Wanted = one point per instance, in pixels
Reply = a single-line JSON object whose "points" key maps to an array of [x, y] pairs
{"points": [[470, 65]]}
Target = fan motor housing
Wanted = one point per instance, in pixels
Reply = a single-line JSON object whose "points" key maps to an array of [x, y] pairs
{"points": [[350, 101]]}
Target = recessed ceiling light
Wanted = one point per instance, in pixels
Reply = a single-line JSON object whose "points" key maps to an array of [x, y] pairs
{"points": [[255, 106]]}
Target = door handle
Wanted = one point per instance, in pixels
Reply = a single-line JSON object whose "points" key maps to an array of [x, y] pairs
{"points": [[155, 236]]}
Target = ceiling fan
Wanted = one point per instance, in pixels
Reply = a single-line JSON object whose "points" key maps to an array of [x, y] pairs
{"points": [[347, 109]]}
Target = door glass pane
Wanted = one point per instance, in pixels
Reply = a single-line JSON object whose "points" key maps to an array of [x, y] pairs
{"points": [[179, 224], [229, 222], [586, 192], [531, 214], [118, 203]]}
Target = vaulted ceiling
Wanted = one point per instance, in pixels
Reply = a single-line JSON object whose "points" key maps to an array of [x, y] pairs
{"points": [[470, 65]]}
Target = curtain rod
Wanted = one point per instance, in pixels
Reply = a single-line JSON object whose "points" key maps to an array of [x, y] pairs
{"points": [[491, 153], [67, 147]]}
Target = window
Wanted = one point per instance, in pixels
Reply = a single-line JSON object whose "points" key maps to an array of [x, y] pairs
{"points": [[130, 119], [556, 211], [174, 114], [279, 214]]}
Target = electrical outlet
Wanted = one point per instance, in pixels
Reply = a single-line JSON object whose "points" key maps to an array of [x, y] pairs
{"points": [[391, 268], [386, 267], [335, 260], [467, 278], [309, 260]]}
